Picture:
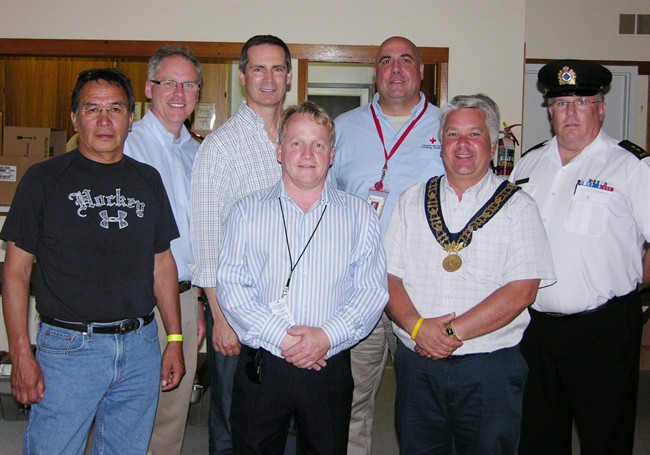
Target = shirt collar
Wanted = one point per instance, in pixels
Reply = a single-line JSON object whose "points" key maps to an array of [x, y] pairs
{"points": [[476, 192], [153, 122], [416, 109], [329, 195], [249, 116], [596, 151]]}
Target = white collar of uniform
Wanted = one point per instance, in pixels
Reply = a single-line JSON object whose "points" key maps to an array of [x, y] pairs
{"points": [[596, 151]]}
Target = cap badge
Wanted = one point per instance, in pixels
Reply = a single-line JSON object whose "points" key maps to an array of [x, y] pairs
{"points": [[566, 76]]}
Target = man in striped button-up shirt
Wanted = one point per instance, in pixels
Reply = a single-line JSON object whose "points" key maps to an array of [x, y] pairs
{"points": [[302, 278]]}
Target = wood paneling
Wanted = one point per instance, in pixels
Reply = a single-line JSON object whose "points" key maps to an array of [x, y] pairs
{"points": [[136, 71], [214, 89], [39, 74], [37, 90]]}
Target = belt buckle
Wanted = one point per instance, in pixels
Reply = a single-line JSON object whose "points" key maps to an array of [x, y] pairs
{"points": [[129, 325]]}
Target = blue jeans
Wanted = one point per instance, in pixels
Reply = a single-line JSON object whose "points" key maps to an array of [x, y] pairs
{"points": [[112, 379], [461, 405]]}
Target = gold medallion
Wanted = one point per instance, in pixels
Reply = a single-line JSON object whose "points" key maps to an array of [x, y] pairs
{"points": [[452, 262]]}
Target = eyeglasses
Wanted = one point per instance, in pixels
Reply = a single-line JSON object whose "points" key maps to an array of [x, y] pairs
{"points": [[580, 104], [116, 110], [188, 86]]}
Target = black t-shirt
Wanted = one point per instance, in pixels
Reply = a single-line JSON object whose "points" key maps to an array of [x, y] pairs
{"points": [[94, 229]]}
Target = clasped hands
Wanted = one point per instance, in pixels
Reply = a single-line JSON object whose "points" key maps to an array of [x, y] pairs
{"points": [[306, 347], [432, 342]]}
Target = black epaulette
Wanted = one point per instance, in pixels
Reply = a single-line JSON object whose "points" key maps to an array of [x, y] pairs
{"points": [[633, 149], [534, 147]]}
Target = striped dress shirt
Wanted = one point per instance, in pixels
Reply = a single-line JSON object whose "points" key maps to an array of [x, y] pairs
{"points": [[339, 284]]}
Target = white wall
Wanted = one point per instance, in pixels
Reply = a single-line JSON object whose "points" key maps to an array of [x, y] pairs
{"points": [[484, 55], [584, 29]]}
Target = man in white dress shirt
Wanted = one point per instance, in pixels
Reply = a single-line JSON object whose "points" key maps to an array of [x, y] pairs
{"points": [[466, 253]]}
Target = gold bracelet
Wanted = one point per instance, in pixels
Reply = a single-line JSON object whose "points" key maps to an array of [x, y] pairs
{"points": [[175, 337], [416, 329]]}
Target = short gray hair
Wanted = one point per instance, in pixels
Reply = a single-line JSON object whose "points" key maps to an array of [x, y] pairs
{"points": [[173, 51], [479, 101]]}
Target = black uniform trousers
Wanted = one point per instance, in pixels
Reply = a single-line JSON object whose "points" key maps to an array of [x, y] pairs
{"points": [[583, 368]]}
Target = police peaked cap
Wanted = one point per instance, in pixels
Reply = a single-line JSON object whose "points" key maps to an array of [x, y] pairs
{"points": [[573, 78]]}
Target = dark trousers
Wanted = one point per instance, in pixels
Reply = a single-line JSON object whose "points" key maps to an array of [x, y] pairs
{"points": [[319, 401], [462, 405], [222, 372], [583, 368]]}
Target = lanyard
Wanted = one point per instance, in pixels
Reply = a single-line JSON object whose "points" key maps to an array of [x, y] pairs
{"points": [[387, 156], [286, 236]]}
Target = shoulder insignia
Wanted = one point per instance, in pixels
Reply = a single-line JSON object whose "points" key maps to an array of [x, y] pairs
{"points": [[534, 147], [634, 149]]}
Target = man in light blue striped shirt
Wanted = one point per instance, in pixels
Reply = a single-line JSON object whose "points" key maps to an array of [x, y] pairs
{"points": [[302, 278]]}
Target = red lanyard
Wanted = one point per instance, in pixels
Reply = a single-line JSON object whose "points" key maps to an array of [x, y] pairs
{"points": [[387, 156]]}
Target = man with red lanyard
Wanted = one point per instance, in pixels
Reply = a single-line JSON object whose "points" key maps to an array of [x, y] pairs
{"points": [[382, 149]]}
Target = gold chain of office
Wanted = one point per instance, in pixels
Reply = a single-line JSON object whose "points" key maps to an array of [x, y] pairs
{"points": [[453, 243]]}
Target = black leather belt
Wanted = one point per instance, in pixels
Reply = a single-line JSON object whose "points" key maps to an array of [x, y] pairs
{"points": [[610, 303], [121, 327], [184, 286]]}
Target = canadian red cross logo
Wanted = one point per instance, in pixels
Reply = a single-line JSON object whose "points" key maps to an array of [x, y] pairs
{"points": [[432, 140]]}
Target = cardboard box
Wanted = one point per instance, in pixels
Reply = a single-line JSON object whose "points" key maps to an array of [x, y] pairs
{"points": [[33, 142], [12, 169]]}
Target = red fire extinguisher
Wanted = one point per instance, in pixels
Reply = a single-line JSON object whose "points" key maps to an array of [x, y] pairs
{"points": [[506, 150]]}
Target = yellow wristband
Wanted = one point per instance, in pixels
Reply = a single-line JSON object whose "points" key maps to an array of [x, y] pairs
{"points": [[414, 333], [175, 337]]}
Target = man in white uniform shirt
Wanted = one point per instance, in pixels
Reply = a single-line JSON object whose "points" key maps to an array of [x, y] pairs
{"points": [[466, 253], [302, 278], [583, 342], [235, 160], [161, 140]]}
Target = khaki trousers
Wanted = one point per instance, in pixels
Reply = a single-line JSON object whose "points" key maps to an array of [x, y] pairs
{"points": [[368, 359], [171, 415]]}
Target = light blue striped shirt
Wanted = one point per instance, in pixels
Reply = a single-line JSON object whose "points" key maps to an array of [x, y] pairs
{"points": [[339, 285]]}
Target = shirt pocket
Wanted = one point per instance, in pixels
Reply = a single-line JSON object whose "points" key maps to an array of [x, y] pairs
{"points": [[589, 211]]}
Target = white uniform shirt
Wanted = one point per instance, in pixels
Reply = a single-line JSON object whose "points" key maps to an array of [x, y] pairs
{"points": [[596, 234], [511, 246]]}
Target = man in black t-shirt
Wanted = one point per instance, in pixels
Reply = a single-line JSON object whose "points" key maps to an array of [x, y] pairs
{"points": [[99, 226]]}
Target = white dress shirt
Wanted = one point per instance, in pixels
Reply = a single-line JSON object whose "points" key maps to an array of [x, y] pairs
{"points": [[511, 246]]}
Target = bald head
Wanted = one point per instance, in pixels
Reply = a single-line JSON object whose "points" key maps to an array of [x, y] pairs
{"points": [[403, 41], [398, 74]]}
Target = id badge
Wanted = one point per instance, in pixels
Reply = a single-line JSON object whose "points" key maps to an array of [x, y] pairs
{"points": [[279, 308], [377, 199]]}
